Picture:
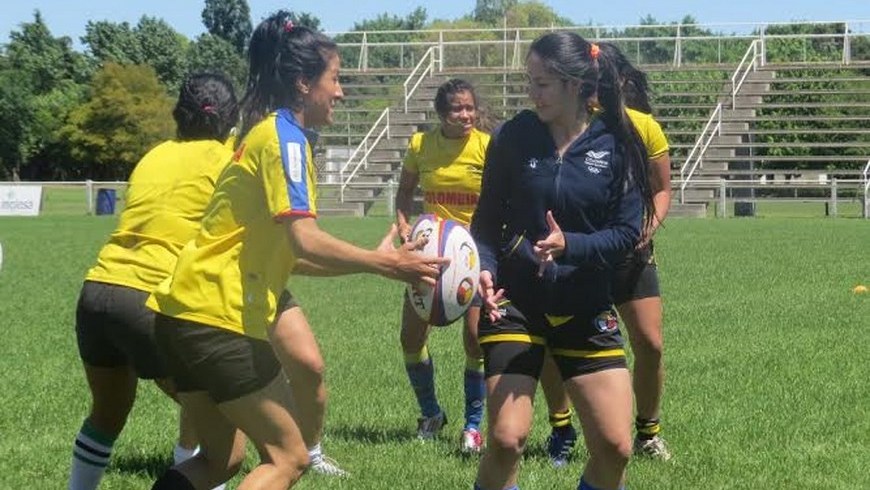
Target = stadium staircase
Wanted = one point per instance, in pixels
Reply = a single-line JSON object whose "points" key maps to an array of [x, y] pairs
{"points": [[766, 128]]}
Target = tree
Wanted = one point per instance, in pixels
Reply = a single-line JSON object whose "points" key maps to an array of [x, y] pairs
{"points": [[45, 59], [491, 12], [127, 114], [212, 53], [414, 21], [306, 19], [164, 49], [229, 20], [112, 41], [534, 14]]}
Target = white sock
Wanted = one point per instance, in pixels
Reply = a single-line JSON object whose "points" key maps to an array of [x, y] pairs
{"points": [[182, 454], [315, 454], [91, 454]]}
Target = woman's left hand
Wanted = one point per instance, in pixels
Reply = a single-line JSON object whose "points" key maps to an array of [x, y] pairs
{"points": [[551, 247]]}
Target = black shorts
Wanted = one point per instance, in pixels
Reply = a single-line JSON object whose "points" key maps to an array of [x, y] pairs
{"points": [[114, 328], [580, 344], [636, 277], [226, 364]]}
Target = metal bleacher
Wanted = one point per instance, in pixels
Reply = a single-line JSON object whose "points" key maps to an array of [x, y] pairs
{"points": [[760, 126]]}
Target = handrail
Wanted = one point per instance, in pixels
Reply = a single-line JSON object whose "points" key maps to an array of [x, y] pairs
{"points": [[366, 148], [867, 190], [742, 72], [429, 57], [704, 139]]}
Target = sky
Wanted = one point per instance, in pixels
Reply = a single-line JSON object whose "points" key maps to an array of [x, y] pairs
{"points": [[68, 17]]}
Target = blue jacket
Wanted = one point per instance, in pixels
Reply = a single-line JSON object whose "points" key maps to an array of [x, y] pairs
{"points": [[592, 200]]}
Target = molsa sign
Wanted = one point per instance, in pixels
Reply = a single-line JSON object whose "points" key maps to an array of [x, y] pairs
{"points": [[20, 200]]}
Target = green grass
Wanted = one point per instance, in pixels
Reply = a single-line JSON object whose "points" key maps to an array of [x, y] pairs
{"points": [[767, 352]]}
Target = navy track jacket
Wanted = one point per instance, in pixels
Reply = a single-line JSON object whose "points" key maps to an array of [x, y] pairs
{"points": [[595, 205]]}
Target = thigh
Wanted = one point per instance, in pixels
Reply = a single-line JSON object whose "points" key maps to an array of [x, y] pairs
{"points": [[637, 277], [510, 403], [643, 320], [263, 416], [294, 342], [604, 405]]}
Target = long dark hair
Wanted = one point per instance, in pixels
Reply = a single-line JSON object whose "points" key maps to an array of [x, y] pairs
{"points": [[279, 54], [206, 108], [571, 57], [635, 85]]}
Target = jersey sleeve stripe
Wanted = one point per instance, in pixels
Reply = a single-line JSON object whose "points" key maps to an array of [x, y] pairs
{"points": [[294, 158]]}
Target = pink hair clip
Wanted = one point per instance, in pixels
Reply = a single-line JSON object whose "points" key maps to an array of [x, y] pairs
{"points": [[288, 26], [208, 108], [594, 51]]}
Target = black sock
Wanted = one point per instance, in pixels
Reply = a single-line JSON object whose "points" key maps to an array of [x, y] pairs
{"points": [[173, 480]]}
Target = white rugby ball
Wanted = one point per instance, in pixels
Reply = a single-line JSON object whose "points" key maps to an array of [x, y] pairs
{"points": [[456, 286]]}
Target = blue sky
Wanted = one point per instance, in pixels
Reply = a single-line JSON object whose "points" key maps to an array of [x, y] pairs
{"points": [[68, 17]]}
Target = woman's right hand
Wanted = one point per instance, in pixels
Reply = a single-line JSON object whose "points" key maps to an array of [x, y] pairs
{"points": [[491, 297], [408, 265]]}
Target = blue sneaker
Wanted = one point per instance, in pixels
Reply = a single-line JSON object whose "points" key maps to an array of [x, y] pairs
{"points": [[560, 443]]}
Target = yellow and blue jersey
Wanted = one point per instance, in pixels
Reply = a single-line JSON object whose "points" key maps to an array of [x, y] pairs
{"points": [[232, 274], [650, 132], [167, 195], [449, 170]]}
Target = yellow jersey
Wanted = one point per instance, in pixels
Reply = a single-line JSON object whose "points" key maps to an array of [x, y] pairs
{"points": [[232, 274], [650, 132], [167, 194], [449, 170]]}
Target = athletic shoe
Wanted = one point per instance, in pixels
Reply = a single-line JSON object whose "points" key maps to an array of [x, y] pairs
{"points": [[560, 443], [327, 466], [654, 448], [471, 442], [429, 427]]}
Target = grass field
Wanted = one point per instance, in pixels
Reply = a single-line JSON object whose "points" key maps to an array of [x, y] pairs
{"points": [[767, 356]]}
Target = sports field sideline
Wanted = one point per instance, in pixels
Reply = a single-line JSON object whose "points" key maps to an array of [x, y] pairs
{"points": [[767, 358]]}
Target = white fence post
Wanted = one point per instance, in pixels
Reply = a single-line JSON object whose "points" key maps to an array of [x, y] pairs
{"points": [[89, 190], [832, 210], [723, 210], [391, 197]]}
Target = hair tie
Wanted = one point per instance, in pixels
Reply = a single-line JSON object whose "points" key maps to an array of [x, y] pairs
{"points": [[208, 109], [288, 26], [594, 51]]}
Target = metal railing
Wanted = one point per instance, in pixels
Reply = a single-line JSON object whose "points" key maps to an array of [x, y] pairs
{"points": [[696, 156], [681, 39], [415, 79], [380, 128], [866, 174], [747, 65]]}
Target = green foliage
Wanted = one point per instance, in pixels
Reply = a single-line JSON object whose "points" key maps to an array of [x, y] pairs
{"points": [[209, 52], [126, 115], [306, 19], [152, 42], [229, 20], [491, 12], [45, 59]]}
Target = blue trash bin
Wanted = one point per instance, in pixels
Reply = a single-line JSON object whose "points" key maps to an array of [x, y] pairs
{"points": [[105, 201]]}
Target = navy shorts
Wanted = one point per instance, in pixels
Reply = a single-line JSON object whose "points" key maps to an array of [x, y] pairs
{"points": [[636, 277], [114, 328], [580, 344]]}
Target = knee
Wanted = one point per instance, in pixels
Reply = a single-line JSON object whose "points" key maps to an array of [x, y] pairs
{"points": [[292, 464], [615, 451], [648, 347], [506, 444]]}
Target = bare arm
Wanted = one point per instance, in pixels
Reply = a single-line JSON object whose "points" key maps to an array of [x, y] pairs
{"points": [[405, 201], [660, 181], [323, 254]]}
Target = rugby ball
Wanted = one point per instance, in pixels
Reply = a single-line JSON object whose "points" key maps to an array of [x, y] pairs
{"points": [[456, 286]]}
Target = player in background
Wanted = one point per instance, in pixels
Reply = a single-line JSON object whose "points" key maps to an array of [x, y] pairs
{"points": [[447, 164], [216, 313], [563, 199], [636, 291], [166, 196]]}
